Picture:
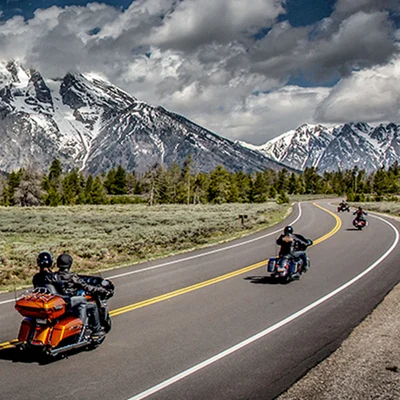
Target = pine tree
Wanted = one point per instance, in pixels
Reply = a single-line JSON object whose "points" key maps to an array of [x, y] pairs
{"points": [[293, 186], [98, 193], [110, 180], [282, 198], [12, 184], [260, 188], [88, 190], [120, 183], [312, 181], [55, 171], [200, 188], [219, 188], [242, 182], [282, 181], [53, 184], [71, 187], [380, 182]]}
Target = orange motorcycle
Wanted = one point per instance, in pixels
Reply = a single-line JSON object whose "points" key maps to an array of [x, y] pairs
{"points": [[51, 327]]}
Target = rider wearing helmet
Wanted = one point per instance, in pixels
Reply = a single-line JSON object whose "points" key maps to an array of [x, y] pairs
{"points": [[293, 244], [45, 277], [359, 213], [72, 285]]}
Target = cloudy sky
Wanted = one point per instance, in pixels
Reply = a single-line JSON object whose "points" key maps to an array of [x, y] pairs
{"points": [[245, 69]]}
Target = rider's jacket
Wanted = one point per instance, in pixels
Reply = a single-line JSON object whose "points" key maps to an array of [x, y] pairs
{"points": [[360, 214], [71, 284], [43, 278], [290, 243]]}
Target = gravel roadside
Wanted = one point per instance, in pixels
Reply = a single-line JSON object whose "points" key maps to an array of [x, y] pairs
{"points": [[367, 364]]}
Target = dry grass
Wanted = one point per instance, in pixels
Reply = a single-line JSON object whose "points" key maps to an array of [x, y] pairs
{"points": [[386, 207], [103, 237]]}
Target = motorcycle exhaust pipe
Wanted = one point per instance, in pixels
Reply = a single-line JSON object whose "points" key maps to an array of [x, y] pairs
{"points": [[57, 351]]}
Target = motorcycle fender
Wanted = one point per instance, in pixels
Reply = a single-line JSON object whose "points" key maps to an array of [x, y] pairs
{"points": [[65, 328], [24, 330]]}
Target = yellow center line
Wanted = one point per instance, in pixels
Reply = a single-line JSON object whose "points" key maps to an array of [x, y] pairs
{"points": [[334, 230], [187, 289], [218, 279], [200, 285]]}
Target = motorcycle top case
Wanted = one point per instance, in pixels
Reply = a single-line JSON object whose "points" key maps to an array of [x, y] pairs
{"points": [[41, 305], [272, 264]]}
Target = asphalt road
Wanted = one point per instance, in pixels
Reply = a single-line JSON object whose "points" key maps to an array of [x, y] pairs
{"points": [[211, 325]]}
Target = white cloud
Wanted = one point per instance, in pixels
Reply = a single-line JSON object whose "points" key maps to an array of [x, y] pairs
{"points": [[352, 6], [193, 23], [370, 95], [266, 115], [200, 59]]}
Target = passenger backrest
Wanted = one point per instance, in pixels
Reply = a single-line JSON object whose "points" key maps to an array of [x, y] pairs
{"points": [[51, 287]]}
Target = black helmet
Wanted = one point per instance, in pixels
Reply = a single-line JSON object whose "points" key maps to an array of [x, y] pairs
{"points": [[44, 259], [288, 230], [360, 208], [64, 261]]}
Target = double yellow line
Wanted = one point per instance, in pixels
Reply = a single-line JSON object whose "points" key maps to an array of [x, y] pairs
{"points": [[187, 289], [201, 285]]}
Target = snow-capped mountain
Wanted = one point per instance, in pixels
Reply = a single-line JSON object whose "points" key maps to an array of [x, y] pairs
{"points": [[340, 147], [93, 125]]}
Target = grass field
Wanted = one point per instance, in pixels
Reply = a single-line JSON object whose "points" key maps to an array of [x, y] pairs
{"points": [[104, 237], [385, 207]]}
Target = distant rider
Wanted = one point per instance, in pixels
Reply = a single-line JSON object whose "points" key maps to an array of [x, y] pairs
{"points": [[343, 204], [293, 245], [360, 214]]}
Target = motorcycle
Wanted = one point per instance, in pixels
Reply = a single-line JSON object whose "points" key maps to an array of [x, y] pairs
{"points": [[359, 223], [343, 208], [288, 268], [52, 328]]}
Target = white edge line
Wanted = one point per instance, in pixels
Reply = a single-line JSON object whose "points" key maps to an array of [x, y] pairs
{"points": [[272, 328], [191, 257]]}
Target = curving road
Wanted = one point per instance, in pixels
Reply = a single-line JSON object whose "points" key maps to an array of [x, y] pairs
{"points": [[211, 325]]}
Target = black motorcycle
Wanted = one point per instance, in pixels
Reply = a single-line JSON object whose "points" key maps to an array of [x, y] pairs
{"points": [[343, 207]]}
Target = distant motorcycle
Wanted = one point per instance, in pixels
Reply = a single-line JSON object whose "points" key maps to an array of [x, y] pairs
{"points": [[343, 208], [49, 325], [359, 223], [281, 267]]}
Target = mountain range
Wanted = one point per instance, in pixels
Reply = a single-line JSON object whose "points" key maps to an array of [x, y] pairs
{"points": [[90, 124], [339, 147]]}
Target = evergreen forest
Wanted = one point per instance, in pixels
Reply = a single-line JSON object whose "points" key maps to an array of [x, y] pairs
{"points": [[183, 185]]}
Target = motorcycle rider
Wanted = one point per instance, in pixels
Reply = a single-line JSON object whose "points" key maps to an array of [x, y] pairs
{"points": [[45, 277], [291, 244], [360, 214], [343, 205], [71, 285]]}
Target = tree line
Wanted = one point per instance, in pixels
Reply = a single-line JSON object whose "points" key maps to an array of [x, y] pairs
{"points": [[182, 185]]}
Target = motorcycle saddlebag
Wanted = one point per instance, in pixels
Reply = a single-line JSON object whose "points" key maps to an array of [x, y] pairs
{"points": [[36, 304], [271, 264]]}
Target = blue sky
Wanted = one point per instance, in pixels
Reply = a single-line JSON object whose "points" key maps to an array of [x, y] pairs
{"points": [[247, 73]]}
